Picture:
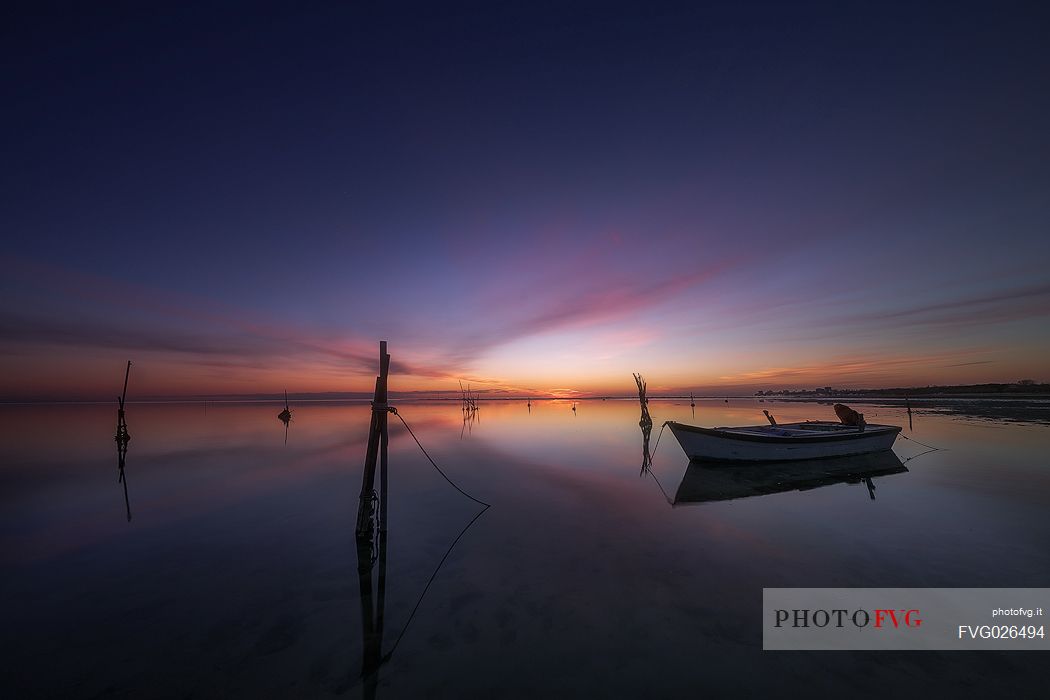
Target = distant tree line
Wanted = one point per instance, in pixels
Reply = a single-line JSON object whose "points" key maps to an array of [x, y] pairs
{"points": [[1023, 386]]}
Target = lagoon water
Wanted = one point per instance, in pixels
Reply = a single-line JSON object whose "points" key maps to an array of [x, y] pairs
{"points": [[237, 573]]}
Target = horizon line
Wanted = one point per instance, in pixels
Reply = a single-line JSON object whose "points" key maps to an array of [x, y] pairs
{"points": [[432, 395]]}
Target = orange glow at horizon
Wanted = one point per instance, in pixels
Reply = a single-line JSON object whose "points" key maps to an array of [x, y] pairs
{"points": [[98, 375]]}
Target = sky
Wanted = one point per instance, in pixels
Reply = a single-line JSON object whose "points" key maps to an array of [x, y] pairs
{"points": [[532, 198]]}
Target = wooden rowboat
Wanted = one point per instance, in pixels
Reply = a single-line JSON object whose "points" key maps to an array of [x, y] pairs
{"points": [[776, 443]]}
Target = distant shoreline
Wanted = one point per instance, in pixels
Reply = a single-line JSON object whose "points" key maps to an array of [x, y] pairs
{"points": [[1021, 391], [1014, 408], [888, 399]]}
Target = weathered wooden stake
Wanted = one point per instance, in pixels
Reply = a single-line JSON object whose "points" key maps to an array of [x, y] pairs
{"points": [[643, 401], [122, 424], [376, 435]]}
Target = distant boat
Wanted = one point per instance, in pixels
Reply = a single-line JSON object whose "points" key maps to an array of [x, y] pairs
{"points": [[718, 481], [774, 443]]}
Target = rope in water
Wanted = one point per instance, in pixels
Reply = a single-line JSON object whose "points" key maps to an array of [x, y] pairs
{"points": [[920, 443], [431, 460], [652, 455], [386, 657], [925, 452], [669, 500], [486, 506]]}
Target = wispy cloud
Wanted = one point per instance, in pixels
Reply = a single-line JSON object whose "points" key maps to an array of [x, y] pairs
{"points": [[221, 335], [853, 369], [967, 364], [586, 300], [992, 307]]}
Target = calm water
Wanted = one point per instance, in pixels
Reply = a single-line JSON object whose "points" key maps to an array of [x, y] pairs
{"points": [[238, 571]]}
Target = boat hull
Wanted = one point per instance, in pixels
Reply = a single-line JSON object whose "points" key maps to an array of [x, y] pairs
{"points": [[736, 445]]}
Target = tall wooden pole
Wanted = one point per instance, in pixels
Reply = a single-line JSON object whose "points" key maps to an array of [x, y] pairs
{"points": [[124, 394], [376, 430], [384, 440]]}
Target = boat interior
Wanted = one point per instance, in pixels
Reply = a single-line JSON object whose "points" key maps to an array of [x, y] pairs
{"points": [[800, 429]]}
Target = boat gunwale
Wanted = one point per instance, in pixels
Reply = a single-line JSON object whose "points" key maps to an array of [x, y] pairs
{"points": [[728, 434]]}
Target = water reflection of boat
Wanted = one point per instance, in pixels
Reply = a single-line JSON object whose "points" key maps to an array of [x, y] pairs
{"points": [[791, 441], [725, 481]]}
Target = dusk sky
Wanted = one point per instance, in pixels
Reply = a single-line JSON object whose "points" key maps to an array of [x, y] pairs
{"points": [[536, 198]]}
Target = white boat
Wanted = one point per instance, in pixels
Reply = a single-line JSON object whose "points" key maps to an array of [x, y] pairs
{"points": [[776, 443]]}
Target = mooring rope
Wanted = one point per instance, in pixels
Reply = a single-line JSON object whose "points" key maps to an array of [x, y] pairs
{"points": [[920, 443], [386, 657], [929, 449], [427, 455], [669, 500], [652, 455], [926, 452], [485, 507]]}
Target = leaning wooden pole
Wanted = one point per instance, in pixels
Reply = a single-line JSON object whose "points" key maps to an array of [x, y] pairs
{"points": [[376, 431], [122, 423], [124, 394]]}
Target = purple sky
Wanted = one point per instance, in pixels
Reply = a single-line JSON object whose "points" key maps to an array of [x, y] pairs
{"points": [[535, 199]]}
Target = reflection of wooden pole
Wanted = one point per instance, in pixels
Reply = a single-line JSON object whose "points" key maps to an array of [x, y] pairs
{"points": [[370, 652], [381, 580], [647, 457], [383, 443], [124, 479], [122, 453]]}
